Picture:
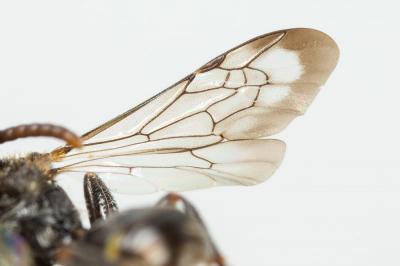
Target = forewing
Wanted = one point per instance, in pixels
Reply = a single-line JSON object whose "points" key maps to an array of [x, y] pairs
{"points": [[204, 130]]}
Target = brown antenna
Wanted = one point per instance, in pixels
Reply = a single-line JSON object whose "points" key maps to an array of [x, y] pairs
{"points": [[40, 130]]}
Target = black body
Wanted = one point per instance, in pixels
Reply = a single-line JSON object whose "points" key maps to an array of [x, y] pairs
{"points": [[37, 212], [142, 237], [35, 208]]}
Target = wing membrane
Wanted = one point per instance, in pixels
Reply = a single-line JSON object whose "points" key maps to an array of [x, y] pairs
{"points": [[204, 130]]}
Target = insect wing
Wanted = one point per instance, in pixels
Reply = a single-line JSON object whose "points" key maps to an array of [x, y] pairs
{"points": [[205, 130]]}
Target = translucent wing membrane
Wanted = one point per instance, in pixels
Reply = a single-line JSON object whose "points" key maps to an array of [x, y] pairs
{"points": [[205, 130]]}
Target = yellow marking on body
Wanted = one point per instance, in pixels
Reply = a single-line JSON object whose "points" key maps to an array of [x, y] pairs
{"points": [[111, 251]]}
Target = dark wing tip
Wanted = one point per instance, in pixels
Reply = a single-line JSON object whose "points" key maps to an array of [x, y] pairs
{"points": [[318, 52]]}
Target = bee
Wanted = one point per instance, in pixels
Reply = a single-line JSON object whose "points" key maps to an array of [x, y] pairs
{"points": [[43, 228], [209, 129]]}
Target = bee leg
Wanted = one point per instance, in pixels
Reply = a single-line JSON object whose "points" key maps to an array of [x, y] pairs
{"points": [[173, 200], [99, 201]]}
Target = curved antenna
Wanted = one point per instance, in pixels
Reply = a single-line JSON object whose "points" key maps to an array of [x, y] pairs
{"points": [[40, 130]]}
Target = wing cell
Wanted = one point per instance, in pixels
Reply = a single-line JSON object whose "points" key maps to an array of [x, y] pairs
{"points": [[209, 128]]}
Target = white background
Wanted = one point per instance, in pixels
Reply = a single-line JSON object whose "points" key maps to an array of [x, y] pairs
{"points": [[335, 199]]}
